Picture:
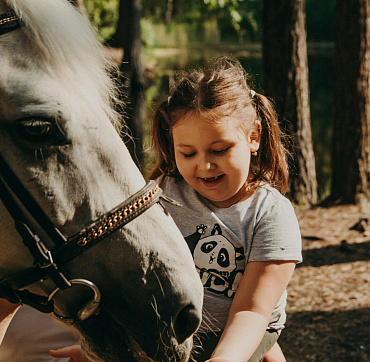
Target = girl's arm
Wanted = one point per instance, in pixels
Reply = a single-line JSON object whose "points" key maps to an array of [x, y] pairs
{"points": [[7, 311], [259, 291]]}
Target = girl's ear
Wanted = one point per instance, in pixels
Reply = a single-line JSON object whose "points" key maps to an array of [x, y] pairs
{"points": [[255, 137]]}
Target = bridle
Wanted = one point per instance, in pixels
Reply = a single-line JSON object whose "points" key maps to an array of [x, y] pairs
{"points": [[9, 21], [48, 263]]}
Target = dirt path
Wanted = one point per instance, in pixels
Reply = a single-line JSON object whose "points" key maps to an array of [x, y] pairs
{"points": [[329, 294]]}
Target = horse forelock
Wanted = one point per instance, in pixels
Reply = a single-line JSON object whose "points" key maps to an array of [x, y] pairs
{"points": [[67, 47]]}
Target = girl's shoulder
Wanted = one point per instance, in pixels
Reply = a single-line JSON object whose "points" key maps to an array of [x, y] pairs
{"points": [[268, 194], [267, 203]]}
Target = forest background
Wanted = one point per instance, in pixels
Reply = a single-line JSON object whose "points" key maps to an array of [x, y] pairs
{"points": [[179, 34], [329, 295]]}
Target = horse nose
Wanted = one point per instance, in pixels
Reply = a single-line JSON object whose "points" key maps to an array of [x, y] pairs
{"points": [[186, 322]]}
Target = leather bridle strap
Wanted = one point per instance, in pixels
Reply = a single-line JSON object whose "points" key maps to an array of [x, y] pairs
{"points": [[115, 219], [60, 255], [14, 195], [29, 202], [75, 244], [9, 21]]}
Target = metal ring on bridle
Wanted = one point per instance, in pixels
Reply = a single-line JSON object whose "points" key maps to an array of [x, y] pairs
{"points": [[89, 309]]}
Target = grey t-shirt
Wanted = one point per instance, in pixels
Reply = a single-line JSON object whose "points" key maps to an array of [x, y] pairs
{"points": [[223, 240]]}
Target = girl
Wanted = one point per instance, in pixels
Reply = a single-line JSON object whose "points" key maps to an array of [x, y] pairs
{"points": [[221, 156]]}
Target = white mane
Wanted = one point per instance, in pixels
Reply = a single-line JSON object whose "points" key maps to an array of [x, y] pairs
{"points": [[68, 48]]}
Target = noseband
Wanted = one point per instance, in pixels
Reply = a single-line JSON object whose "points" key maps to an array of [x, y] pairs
{"points": [[48, 263]]}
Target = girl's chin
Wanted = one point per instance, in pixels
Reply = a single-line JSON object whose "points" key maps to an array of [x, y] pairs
{"points": [[216, 200]]}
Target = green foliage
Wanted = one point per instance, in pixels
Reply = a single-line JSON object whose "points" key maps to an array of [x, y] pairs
{"points": [[237, 20], [104, 15], [200, 29]]}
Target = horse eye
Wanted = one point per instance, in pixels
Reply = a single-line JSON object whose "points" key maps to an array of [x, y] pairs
{"points": [[37, 128], [40, 132]]}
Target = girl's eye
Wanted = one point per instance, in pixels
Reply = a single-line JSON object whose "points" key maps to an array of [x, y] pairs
{"points": [[221, 152], [188, 155]]}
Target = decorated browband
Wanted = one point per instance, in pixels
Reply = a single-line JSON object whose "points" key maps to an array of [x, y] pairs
{"points": [[9, 21]]}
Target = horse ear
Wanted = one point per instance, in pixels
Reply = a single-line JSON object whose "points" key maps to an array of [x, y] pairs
{"points": [[216, 230]]}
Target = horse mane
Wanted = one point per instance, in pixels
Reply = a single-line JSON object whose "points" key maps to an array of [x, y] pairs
{"points": [[68, 47]]}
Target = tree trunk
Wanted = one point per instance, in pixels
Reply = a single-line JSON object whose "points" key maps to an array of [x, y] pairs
{"points": [[286, 81], [128, 37], [351, 124]]}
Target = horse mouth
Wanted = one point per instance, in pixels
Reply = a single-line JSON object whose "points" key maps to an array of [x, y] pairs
{"points": [[133, 352], [141, 356], [117, 344]]}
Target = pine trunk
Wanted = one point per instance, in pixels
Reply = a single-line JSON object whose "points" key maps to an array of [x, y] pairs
{"points": [[128, 37], [286, 82], [351, 131]]}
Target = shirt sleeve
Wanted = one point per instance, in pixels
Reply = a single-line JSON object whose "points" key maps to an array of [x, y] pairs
{"points": [[276, 234]]}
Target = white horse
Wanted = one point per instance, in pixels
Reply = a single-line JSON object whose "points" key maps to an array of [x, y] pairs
{"points": [[131, 291]]}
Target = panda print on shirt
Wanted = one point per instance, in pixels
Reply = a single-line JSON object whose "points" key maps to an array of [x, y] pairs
{"points": [[215, 258]]}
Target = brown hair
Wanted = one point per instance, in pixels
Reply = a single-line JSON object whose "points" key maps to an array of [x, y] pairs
{"points": [[222, 84]]}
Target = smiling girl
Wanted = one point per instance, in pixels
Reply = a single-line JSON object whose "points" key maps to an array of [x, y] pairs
{"points": [[221, 156]]}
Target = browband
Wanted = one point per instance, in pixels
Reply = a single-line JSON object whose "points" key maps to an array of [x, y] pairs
{"points": [[9, 21]]}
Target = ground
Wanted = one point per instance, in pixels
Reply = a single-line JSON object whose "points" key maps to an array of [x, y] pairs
{"points": [[329, 294]]}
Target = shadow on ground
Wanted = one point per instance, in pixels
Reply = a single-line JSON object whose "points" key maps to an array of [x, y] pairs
{"points": [[336, 254], [343, 336]]}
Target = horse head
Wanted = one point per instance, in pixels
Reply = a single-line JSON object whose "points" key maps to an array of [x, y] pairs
{"points": [[113, 265]]}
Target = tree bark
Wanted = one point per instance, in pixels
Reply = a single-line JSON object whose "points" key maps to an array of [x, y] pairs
{"points": [[128, 37], [286, 81], [351, 124]]}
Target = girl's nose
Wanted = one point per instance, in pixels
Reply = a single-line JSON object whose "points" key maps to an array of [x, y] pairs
{"points": [[206, 165]]}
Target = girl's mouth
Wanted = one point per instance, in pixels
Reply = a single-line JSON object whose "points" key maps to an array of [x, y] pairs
{"points": [[211, 181]]}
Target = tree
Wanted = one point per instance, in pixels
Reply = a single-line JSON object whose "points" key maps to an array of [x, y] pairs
{"points": [[128, 37], [125, 48], [286, 81], [351, 131]]}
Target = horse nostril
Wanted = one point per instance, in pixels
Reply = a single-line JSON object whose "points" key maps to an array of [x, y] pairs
{"points": [[186, 323]]}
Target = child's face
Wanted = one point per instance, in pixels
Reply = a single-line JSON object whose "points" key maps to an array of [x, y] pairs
{"points": [[214, 157]]}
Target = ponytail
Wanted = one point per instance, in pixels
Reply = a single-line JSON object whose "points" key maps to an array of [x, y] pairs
{"points": [[163, 143], [270, 163]]}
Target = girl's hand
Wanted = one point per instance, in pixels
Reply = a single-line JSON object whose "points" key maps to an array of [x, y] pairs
{"points": [[260, 289], [74, 353]]}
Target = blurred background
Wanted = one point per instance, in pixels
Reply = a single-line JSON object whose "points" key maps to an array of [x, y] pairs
{"points": [[181, 34]]}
